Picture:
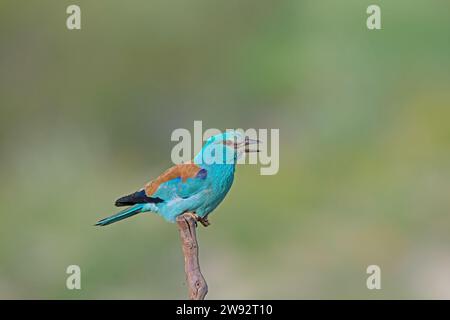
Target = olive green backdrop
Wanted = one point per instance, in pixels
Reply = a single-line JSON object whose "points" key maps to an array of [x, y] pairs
{"points": [[86, 116]]}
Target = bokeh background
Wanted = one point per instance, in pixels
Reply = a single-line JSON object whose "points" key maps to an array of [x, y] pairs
{"points": [[86, 116]]}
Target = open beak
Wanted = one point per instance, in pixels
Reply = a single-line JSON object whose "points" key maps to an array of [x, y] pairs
{"points": [[248, 142]]}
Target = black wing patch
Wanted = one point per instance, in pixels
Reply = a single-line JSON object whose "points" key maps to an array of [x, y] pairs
{"points": [[137, 197]]}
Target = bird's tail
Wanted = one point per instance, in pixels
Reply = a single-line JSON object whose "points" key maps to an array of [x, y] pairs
{"points": [[121, 215]]}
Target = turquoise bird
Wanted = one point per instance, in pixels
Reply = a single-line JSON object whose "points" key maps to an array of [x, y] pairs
{"points": [[197, 187]]}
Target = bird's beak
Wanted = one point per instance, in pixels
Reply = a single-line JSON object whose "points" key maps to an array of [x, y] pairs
{"points": [[248, 142]]}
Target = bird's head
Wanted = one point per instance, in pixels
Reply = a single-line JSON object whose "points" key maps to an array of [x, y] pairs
{"points": [[226, 148]]}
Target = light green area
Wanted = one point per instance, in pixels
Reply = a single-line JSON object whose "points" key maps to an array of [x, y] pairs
{"points": [[86, 116]]}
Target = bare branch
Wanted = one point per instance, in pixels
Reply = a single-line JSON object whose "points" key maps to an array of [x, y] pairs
{"points": [[197, 284]]}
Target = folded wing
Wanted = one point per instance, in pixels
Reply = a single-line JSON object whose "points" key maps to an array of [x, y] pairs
{"points": [[183, 180]]}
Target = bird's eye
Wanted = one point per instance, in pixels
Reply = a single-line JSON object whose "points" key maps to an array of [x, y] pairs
{"points": [[228, 142]]}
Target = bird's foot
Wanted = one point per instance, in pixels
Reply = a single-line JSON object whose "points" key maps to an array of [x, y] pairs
{"points": [[193, 215], [204, 221]]}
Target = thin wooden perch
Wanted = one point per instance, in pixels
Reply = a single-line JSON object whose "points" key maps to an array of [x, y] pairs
{"points": [[197, 284]]}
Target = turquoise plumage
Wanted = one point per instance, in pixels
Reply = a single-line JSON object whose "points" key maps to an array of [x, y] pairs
{"points": [[197, 187]]}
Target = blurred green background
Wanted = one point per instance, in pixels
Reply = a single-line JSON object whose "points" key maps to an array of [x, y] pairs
{"points": [[86, 117]]}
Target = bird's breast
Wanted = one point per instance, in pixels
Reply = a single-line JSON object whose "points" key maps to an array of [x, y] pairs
{"points": [[222, 182]]}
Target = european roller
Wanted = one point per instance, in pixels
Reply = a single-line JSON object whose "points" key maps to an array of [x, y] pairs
{"points": [[197, 187]]}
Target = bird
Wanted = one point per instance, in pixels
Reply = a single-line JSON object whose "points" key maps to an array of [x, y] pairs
{"points": [[195, 187]]}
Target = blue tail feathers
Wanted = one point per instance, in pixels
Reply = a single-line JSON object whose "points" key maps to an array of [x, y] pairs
{"points": [[121, 215]]}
